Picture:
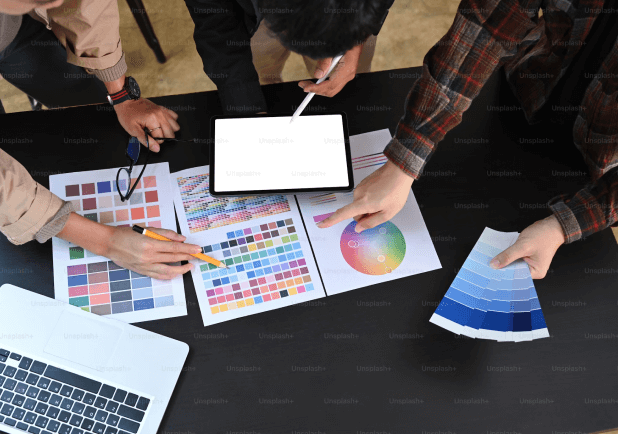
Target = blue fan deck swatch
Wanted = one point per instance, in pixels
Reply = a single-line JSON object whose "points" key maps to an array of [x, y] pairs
{"points": [[482, 298]]}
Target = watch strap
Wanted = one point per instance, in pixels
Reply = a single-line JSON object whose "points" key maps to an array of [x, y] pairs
{"points": [[118, 97]]}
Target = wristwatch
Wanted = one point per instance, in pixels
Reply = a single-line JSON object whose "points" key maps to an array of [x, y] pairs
{"points": [[130, 90]]}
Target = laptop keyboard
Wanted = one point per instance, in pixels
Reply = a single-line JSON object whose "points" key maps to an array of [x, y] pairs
{"points": [[42, 399]]}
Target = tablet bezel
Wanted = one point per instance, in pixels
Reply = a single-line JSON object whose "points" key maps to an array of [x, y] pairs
{"points": [[211, 177]]}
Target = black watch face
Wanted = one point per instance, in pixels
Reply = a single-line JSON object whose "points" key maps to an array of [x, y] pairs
{"points": [[133, 88]]}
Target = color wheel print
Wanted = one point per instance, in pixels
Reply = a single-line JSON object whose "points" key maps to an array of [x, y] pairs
{"points": [[374, 251]]}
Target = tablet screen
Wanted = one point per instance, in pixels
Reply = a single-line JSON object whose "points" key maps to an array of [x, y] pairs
{"points": [[264, 153]]}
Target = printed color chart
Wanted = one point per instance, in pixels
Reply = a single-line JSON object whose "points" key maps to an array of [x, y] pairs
{"points": [[107, 288], [349, 260], [99, 202], [205, 212], [269, 257], [374, 251], [266, 262], [492, 304], [96, 284]]}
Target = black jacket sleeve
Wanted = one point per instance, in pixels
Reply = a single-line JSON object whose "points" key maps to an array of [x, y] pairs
{"points": [[389, 6], [223, 42]]}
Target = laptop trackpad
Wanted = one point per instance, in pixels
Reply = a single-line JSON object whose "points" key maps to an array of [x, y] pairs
{"points": [[89, 342]]}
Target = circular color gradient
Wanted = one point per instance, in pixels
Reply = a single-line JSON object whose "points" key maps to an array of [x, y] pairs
{"points": [[375, 251]]}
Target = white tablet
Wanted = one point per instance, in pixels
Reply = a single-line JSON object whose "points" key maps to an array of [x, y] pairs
{"points": [[266, 154]]}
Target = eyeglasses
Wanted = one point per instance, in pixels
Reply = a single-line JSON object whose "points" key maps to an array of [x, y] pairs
{"points": [[124, 184], [123, 178]]}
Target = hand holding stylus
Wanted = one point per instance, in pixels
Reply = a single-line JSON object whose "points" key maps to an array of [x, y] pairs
{"points": [[345, 72], [305, 102]]}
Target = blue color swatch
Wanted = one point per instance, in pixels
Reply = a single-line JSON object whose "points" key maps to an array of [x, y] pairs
{"points": [[492, 304]]}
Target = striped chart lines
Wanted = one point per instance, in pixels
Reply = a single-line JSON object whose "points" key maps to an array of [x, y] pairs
{"points": [[371, 160]]}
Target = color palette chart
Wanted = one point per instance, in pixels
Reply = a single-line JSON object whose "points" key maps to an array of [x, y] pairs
{"points": [[348, 260], [205, 212], [484, 303], [100, 202], [96, 284], [374, 251], [266, 262], [269, 259], [106, 288]]}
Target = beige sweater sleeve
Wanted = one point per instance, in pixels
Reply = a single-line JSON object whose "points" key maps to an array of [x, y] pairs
{"points": [[90, 32], [27, 209]]}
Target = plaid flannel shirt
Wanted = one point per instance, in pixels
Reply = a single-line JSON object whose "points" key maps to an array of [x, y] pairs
{"points": [[488, 34]]}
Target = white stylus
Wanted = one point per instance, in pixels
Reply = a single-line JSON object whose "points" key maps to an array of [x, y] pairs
{"points": [[302, 106]]}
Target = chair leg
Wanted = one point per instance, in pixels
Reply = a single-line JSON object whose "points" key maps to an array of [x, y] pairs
{"points": [[141, 17], [36, 105]]}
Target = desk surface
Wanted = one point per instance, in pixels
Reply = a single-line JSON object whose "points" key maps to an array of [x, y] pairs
{"points": [[369, 360]]}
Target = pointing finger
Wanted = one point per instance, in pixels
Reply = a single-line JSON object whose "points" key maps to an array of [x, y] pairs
{"points": [[341, 214]]}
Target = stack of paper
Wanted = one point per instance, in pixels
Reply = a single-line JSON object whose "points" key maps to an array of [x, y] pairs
{"points": [[492, 304]]}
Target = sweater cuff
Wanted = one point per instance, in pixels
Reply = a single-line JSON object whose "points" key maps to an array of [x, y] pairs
{"points": [[242, 98], [55, 225], [112, 73]]}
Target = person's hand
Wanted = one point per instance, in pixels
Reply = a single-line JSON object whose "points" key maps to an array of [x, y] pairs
{"points": [[135, 115], [343, 72], [537, 245], [377, 199], [148, 256]]}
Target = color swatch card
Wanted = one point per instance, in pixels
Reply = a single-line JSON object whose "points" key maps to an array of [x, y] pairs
{"points": [[199, 211], [484, 303], [97, 284], [261, 240], [348, 260]]}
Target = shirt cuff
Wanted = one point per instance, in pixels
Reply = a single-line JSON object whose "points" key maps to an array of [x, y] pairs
{"points": [[408, 161], [112, 73], [566, 217], [43, 209], [242, 98], [55, 225]]}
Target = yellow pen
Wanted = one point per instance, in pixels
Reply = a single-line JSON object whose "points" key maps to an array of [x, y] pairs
{"points": [[155, 236]]}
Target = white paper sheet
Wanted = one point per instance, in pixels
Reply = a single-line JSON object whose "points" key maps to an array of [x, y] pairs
{"points": [[398, 248], [97, 284], [260, 278]]}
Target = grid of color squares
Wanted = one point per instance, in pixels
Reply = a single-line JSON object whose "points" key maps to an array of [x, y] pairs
{"points": [[105, 288], [266, 262], [100, 202], [205, 212], [373, 160], [484, 303]]}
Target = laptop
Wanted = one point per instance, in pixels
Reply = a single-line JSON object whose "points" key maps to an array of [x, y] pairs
{"points": [[64, 370]]}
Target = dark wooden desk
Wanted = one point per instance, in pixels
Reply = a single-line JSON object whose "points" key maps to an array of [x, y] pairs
{"points": [[304, 369]]}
